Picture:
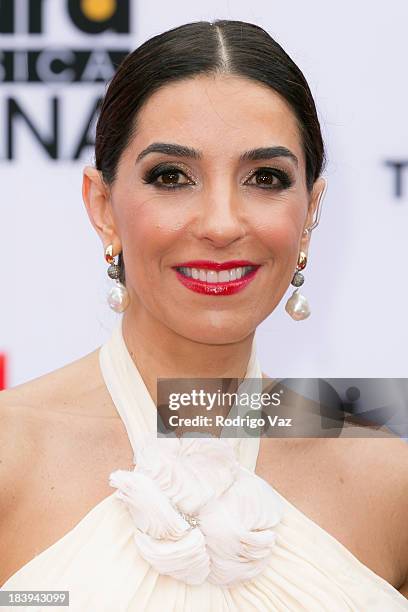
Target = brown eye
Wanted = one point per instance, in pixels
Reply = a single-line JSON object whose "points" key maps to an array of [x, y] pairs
{"points": [[265, 178], [170, 177], [271, 178]]}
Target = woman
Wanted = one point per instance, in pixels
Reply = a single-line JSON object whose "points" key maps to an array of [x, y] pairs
{"points": [[208, 147]]}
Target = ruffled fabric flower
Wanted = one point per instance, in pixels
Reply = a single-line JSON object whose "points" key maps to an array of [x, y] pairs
{"points": [[198, 514]]}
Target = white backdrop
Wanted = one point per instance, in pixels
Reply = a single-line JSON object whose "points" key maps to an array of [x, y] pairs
{"points": [[54, 281]]}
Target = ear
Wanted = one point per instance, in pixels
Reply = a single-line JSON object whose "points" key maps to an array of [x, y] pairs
{"points": [[315, 202], [96, 197]]}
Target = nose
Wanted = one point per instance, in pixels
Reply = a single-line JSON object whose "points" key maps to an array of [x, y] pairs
{"points": [[221, 217]]}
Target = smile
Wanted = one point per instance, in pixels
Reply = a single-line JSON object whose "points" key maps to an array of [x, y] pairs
{"points": [[211, 282], [211, 276]]}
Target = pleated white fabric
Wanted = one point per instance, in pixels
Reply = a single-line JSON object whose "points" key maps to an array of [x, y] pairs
{"points": [[99, 563]]}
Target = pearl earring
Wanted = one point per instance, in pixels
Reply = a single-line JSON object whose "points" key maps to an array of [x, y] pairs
{"points": [[118, 296], [297, 305]]}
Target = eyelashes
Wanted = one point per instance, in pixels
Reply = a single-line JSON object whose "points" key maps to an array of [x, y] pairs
{"points": [[273, 179]]}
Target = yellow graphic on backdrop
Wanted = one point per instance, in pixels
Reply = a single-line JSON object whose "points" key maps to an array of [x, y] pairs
{"points": [[98, 10]]}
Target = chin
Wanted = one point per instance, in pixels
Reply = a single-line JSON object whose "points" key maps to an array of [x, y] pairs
{"points": [[222, 328]]}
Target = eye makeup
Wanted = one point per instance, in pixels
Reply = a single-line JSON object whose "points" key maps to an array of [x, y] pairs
{"points": [[282, 179], [277, 179], [165, 169]]}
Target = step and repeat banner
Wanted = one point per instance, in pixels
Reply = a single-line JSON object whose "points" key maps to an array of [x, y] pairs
{"points": [[55, 59]]}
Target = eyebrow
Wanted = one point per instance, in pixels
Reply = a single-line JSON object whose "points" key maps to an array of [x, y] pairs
{"points": [[183, 151]]}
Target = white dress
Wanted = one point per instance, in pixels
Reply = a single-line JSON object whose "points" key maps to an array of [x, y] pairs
{"points": [[105, 568]]}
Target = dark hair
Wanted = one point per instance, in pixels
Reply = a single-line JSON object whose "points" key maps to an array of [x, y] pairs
{"points": [[224, 46]]}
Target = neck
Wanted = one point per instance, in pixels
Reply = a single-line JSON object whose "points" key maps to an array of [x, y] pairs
{"points": [[158, 351]]}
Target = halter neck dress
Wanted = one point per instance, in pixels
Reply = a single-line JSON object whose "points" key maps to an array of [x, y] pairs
{"points": [[100, 565]]}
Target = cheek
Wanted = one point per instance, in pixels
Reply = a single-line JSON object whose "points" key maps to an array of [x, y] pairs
{"points": [[280, 234], [148, 232]]}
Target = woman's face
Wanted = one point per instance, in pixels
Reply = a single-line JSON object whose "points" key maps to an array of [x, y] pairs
{"points": [[217, 205]]}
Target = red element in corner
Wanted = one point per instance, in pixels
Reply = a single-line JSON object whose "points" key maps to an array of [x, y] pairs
{"points": [[2, 371]]}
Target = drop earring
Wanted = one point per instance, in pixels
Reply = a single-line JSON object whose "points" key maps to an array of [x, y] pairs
{"points": [[118, 296], [297, 305]]}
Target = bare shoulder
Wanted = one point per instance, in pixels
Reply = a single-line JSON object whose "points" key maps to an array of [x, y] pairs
{"points": [[19, 453], [47, 414], [24, 410], [60, 437], [75, 389], [63, 387], [16, 445], [378, 454], [52, 425], [382, 459], [376, 469]]}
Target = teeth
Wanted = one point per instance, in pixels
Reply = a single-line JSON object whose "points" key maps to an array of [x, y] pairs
{"points": [[224, 276], [210, 276]]}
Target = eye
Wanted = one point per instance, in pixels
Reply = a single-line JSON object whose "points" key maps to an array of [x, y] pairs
{"points": [[169, 175], [165, 176], [271, 178]]}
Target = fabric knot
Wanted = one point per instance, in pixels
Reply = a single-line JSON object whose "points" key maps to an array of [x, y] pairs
{"points": [[198, 514]]}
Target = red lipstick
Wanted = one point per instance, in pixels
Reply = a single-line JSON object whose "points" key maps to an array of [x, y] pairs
{"points": [[221, 288], [205, 264]]}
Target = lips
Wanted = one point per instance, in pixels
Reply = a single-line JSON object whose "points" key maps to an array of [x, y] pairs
{"points": [[216, 288]]}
